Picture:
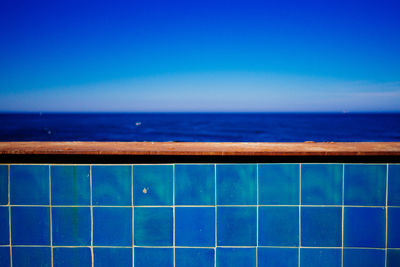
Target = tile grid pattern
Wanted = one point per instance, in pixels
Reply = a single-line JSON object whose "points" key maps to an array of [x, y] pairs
{"points": [[342, 206]]}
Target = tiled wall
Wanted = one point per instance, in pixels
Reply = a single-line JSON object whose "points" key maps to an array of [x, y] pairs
{"points": [[200, 215]]}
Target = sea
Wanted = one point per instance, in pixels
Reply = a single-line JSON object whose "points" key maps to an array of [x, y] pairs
{"points": [[201, 127]]}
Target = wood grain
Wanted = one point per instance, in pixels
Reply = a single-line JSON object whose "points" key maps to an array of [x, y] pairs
{"points": [[202, 149]]}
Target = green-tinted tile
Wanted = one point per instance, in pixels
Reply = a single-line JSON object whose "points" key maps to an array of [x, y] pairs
{"points": [[194, 184], [237, 184], [153, 184]]}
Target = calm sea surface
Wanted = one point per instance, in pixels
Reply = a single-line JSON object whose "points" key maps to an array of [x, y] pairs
{"points": [[200, 127]]}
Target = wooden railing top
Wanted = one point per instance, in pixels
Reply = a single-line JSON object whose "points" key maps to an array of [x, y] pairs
{"points": [[202, 148]]}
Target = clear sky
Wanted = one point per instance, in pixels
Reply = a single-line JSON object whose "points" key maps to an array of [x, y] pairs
{"points": [[200, 55]]}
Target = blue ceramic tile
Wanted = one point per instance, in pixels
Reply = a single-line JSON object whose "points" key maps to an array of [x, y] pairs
{"points": [[30, 225], [321, 257], [365, 184], [237, 226], [191, 257], [393, 258], [67, 257], [321, 227], [195, 227], [29, 184], [394, 185], [321, 184], [153, 184], [278, 184], [363, 258], [31, 256], [3, 184], [4, 226], [154, 257], [5, 256], [71, 226], [237, 184], [393, 223], [364, 227], [278, 257], [194, 184], [106, 257], [278, 226], [70, 185], [153, 226], [111, 185], [236, 257], [112, 226]]}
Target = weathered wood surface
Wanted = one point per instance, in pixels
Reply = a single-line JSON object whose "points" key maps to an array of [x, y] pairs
{"points": [[202, 149]]}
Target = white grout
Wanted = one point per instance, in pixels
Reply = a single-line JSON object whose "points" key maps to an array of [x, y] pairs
{"points": [[51, 219], [257, 217], [215, 215], [91, 215], [9, 212], [386, 211], [133, 220], [173, 210], [299, 250], [342, 215]]}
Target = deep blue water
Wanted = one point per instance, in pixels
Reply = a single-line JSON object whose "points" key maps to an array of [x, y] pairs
{"points": [[200, 127]]}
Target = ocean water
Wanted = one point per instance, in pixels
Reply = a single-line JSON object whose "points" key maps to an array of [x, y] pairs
{"points": [[200, 127]]}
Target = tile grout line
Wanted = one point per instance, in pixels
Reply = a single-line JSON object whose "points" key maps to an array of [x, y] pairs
{"points": [[299, 250], [386, 210], [9, 213], [215, 215], [257, 218], [342, 214], [91, 214], [173, 208], [51, 219], [133, 219]]}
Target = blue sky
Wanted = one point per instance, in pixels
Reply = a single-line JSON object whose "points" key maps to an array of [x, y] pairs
{"points": [[200, 56]]}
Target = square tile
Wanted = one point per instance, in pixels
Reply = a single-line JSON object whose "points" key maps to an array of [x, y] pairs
{"points": [[393, 232], [278, 226], [364, 227], [393, 258], [71, 226], [394, 185], [365, 184], [5, 256], [282, 257], [66, 257], [278, 184], [25, 256], [237, 184], [321, 227], [321, 184], [154, 257], [237, 226], [3, 184], [111, 185], [153, 226], [112, 226], [30, 225], [194, 184], [311, 257], [70, 185], [106, 257], [192, 257], [364, 257], [4, 226], [29, 184], [236, 257], [153, 185], [195, 227]]}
